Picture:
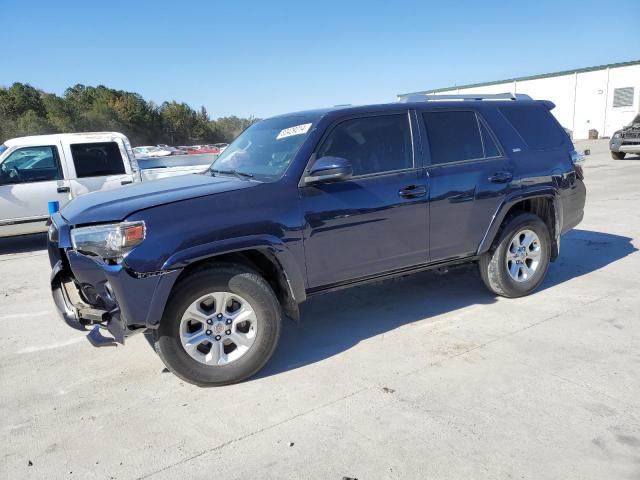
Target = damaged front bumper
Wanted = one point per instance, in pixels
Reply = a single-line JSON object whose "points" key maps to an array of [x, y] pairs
{"points": [[625, 144], [93, 295], [80, 315]]}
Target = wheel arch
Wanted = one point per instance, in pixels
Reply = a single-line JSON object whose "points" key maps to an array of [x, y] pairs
{"points": [[543, 203], [267, 255]]}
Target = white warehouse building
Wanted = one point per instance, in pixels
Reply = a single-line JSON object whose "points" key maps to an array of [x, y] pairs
{"points": [[600, 99]]}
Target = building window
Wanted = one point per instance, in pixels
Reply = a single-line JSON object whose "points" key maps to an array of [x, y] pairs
{"points": [[623, 97]]}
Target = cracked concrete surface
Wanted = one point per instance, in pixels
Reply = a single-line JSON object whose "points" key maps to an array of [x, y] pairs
{"points": [[429, 376]]}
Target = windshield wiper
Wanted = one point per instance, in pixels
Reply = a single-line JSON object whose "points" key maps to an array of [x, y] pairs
{"points": [[240, 175]]}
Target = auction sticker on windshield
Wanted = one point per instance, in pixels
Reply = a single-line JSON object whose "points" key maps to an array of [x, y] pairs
{"points": [[291, 131]]}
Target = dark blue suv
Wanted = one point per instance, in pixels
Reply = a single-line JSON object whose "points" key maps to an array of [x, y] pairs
{"points": [[300, 204]]}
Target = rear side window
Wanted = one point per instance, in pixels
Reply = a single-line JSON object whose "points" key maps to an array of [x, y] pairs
{"points": [[372, 145], [535, 125], [97, 159], [453, 136]]}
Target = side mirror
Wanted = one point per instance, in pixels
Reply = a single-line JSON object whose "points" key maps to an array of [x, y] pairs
{"points": [[329, 169]]}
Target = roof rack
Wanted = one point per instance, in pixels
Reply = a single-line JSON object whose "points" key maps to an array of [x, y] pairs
{"points": [[455, 98]]}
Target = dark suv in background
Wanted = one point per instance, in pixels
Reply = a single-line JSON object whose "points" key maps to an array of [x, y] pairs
{"points": [[305, 203], [626, 140]]}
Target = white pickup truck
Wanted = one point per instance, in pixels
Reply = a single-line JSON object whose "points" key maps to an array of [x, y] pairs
{"points": [[38, 169]]}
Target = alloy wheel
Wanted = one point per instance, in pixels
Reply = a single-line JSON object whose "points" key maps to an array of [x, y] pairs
{"points": [[218, 328], [523, 255]]}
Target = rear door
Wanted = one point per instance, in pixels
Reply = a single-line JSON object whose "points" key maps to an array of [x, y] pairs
{"points": [[469, 176], [30, 177], [376, 221], [98, 165]]}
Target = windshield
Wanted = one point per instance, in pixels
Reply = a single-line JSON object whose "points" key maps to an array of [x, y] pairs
{"points": [[266, 149], [3, 147]]}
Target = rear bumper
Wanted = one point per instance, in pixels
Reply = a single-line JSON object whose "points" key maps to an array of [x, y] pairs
{"points": [[573, 201]]}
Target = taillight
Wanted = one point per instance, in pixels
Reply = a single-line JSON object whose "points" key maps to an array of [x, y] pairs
{"points": [[577, 160]]}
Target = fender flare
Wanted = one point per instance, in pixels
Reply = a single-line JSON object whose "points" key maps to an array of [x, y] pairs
{"points": [[274, 248], [511, 200]]}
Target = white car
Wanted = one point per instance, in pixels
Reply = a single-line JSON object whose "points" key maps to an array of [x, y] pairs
{"points": [[150, 152], [43, 168]]}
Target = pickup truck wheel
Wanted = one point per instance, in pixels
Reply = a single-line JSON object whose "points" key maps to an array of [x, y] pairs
{"points": [[221, 326], [618, 155], [520, 258]]}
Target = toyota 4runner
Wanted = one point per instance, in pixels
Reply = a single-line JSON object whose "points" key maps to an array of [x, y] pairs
{"points": [[305, 203]]}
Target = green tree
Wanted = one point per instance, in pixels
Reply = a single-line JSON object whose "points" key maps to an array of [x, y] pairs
{"points": [[25, 110], [30, 123]]}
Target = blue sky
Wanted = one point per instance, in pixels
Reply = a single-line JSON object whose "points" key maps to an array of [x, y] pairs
{"points": [[267, 57]]}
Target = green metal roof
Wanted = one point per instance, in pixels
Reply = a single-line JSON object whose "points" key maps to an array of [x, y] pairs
{"points": [[521, 79]]}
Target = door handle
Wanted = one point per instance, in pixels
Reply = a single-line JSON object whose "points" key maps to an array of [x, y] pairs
{"points": [[63, 189], [501, 177], [126, 182], [413, 191]]}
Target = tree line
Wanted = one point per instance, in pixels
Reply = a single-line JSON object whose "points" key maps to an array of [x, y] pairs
{"points": [[25, 110]]}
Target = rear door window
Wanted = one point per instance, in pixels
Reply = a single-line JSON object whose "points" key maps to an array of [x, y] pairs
{"points": [[536, 126], [97, 159], [454, 136], [490, 148]]}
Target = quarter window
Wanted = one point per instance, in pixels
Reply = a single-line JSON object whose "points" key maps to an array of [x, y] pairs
{"points": [[31, 164], [453, 136], [97, 159], [372, 144], [536, 126]]}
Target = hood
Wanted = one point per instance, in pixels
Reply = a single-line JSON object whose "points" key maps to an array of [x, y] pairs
{"points": [[117, 204]]}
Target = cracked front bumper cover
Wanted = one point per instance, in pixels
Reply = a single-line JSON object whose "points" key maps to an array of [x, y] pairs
{"points": [[81, 316]]}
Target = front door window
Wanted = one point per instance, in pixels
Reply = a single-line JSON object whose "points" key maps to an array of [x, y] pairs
{"points": [[31, 164]]}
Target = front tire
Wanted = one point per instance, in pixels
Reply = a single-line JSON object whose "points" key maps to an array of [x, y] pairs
{"points": [[518, 261], [220, 326], [618, 155]]}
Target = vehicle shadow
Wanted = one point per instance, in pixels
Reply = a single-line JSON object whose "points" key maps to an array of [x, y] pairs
{"points": [[23, 243], [335, 322]]}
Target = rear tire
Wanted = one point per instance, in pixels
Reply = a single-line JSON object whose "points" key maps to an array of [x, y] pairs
{"points": [[188, 340], [517, 263], [618, 155]]}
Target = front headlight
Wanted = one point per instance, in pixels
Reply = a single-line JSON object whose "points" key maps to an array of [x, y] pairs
{"points": [[616, 135], [111, 242]]}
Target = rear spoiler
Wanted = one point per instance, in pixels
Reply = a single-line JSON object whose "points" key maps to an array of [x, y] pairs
{"points": [[548, 103]]}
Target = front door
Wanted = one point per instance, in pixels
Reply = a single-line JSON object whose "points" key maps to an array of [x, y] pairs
{"points": [[30, 177], [469, 177], [378, 220]]}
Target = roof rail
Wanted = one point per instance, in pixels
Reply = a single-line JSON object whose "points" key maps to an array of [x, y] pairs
{"points": [[467, 97]]}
